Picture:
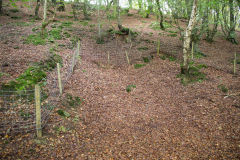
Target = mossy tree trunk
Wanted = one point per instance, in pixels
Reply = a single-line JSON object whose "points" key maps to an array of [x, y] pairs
{"points": [[161, 15], [150, 8], [0, 6], [37, 9], [215, 15], [187, 39], [229, 24]]}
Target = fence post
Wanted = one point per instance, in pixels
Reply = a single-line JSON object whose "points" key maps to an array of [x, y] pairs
{"points": [[158, 47], [108, 59], [59, 79], [235, 63], [38, 111], [78, 52]]}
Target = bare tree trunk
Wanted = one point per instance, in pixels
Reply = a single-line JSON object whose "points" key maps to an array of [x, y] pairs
{"points": [[44, 24], [187, 39], [45, 11], [37, 9]]}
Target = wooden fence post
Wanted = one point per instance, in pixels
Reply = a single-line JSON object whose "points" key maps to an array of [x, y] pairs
{"points": [[59, 79], [235, 63], [78, 52], [108, 59], [158, 47], [38, 111]]}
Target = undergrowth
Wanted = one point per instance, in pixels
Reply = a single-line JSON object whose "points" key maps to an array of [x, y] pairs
{"points": [[137, 66], [71, 101], [194, 74], [36, 39], [33, 75], [156, 26]]}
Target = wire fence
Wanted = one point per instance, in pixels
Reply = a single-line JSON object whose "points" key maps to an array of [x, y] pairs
{"points": [[18, 108], [115, 51]]}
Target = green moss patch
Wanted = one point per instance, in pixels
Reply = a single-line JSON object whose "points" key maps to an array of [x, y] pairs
{"points": [[35, 39], [137, 66], [193, 75], [130, 87]]}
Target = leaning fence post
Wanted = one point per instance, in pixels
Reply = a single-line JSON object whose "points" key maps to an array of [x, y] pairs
{"points": [[108, 59], [59, 79], [127, 57], [235, 63], [38, 111]]}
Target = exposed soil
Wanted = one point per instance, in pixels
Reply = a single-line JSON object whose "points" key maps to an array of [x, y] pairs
{"points": [[159, 119]]}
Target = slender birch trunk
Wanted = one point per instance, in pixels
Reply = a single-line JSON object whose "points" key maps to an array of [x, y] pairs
{"points": [[187, 39]]}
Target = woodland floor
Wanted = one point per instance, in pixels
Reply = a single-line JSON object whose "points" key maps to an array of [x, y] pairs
{"points": [[159, 119]]}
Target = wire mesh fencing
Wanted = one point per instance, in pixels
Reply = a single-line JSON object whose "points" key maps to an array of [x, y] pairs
{"points": [[18, 108], [115, 49]]}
